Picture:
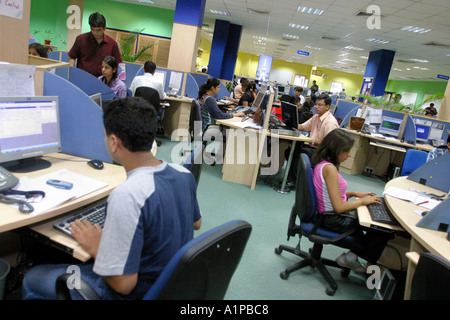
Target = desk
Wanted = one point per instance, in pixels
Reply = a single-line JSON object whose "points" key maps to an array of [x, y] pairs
{"points": [[359, 156], [246, 173], [113, 175], [177, 115], [422, 240]]}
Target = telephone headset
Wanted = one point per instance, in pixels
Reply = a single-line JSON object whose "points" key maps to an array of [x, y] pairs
{"points": [[9, 181]]}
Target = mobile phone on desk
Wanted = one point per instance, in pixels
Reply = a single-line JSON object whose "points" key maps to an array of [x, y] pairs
{"points": [[60, 184]]}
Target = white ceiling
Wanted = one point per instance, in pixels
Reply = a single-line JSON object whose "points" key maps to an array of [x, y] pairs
{"points": [[338, 27]]}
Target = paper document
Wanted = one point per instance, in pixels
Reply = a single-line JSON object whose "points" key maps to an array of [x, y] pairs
{"points": [[412, 197], [377, 135], [54, 197], [247, 124], [16, 80]]}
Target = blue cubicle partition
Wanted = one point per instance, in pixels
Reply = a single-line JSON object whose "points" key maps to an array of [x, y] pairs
{"points": [[131, 70], [81, 120], [344, 107], [59, 56], [193, 83], [445, 125], [90, 84]]}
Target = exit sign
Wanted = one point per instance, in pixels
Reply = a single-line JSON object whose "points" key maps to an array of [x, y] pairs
{"points": [[303, 53]]}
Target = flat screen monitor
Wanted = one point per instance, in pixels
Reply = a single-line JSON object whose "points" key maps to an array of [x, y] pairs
{"points": [[263, 107], [281, 89], [423, 132], [29, 128], [387, 286], [97, 98], [289, 115], [257, 102], [390, 126]]}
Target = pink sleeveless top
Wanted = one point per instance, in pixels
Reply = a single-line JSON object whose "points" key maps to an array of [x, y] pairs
{"points": [[323, 197]]}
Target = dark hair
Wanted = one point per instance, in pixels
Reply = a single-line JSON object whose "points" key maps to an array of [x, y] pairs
{"points": [[299, 89], [246, 84], [308, 105], [243, 79], [40, 49], [133, 120], [326, 98], [211, 82], [149, 66], [112, 62], [97, 20], [432, 104], [334, 143]]}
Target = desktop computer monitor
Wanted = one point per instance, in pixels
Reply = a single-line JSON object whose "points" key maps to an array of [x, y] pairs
{"points": [[29, 128], [390, 126], [289, 115], [263, 107], [423, 132]]}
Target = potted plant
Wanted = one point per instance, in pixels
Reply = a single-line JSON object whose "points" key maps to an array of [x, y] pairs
{"points": [[128, 51]]}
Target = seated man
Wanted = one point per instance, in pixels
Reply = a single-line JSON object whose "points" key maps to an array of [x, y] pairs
{"points": [[322, 123], [298, 96], [148, 80], [145, 225]]}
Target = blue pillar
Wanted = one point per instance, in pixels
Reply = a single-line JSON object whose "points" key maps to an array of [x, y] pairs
{"points": [[224, 50], [378, 67], [190, 12]]}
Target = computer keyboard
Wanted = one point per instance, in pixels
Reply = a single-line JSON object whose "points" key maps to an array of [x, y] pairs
{"points": [[93, 212], [379, 212], [287, 132], [381, 144]]}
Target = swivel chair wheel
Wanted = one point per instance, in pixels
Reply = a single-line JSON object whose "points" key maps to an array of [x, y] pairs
{"points": [[278, 251], [284, 275], [330, 291]]}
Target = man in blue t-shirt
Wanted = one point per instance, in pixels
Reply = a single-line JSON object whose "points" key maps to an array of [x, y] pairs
{"points": [[148, 217]]}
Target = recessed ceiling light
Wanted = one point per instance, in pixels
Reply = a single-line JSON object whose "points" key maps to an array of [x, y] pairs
{"points": [[290, 36], [415, 29], [378, 40], [354, 48], [298, 26], [224, 13], [310, 10]]}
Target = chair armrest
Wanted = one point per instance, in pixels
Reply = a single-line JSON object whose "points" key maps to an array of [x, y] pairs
{"points": [[63, 293], [335, 239]]}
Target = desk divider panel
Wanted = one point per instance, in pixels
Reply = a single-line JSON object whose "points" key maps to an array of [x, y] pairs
{"points": [[81, 120], [90, 84], [434, 173], [131, 70], [343, 107], [193, 84]]}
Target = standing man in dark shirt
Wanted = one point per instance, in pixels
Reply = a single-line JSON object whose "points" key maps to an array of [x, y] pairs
{"points": [[90, 48]]}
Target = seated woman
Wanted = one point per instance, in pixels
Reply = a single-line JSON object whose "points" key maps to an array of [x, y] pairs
{"points": [[247, 97], [332, 196], [210, 110], [111, 78], [38, 50]]}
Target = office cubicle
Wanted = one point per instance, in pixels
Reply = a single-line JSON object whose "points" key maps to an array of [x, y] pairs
{"points": [[80, 117]]}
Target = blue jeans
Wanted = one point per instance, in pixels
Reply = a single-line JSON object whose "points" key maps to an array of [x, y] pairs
{"points": [[39, 282]]}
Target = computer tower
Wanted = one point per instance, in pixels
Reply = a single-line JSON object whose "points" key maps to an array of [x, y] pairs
{"points": [[392, 172]]}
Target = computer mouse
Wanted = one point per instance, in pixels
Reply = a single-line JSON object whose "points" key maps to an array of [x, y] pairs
{"points": [[96, 164]]}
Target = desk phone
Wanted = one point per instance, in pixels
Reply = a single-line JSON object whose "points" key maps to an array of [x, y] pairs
{"points": [[7, 180]]}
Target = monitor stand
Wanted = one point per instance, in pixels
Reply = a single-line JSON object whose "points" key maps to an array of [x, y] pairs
{"points": [[26, 165]]}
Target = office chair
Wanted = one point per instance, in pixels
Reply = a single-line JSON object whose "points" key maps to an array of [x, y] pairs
{"points": [[152, 96], [201, 270], [194, 162], [129, 92], [413, 159], [431, 280], [285, 98], [305, 209]]}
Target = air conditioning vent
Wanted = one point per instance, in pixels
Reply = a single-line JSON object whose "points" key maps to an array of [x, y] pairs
{"points": [[404, 61], [263, 12], [437, 44], [329, 38], [288, 39]]}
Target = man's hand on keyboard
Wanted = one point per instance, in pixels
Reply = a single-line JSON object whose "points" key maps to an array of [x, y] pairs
{"points": [[87, 235]]}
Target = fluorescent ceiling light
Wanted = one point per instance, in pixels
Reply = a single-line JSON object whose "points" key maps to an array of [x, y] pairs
{"points": [[314, 48], [378, 41], [310, 10], [420, 68], [415, 29], [290, 36], [224, 13], [298, 26], [419, 60], [354, 48], [146, 1], [259, 38]]}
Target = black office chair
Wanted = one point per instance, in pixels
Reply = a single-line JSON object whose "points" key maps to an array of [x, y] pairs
{"points": [[431, 280], [152, 96], [201, 270], [194, 162], [285, 98], [305, 209]]}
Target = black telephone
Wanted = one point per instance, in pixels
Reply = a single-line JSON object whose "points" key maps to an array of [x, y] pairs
{"points": [[7, 180]]}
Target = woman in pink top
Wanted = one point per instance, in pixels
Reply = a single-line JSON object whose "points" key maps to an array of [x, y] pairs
{"points": [[332, 195]]}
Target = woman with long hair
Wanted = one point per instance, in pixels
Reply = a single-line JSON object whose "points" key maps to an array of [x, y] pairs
{"points": [[332, 195], [110, 76]]}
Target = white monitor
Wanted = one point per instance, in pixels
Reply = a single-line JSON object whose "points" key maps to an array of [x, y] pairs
{"points": [[29, 128], [390, 126]]}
